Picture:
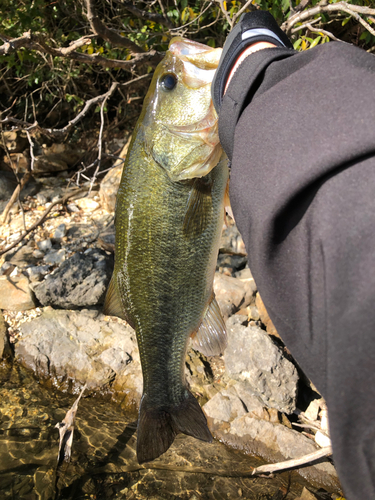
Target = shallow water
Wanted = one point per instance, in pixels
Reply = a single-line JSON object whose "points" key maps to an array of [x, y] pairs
{"points": [[103, 464]]}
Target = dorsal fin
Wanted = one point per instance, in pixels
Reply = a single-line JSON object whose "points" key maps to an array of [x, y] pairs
{"points": [[198, 207], [211, 337]]}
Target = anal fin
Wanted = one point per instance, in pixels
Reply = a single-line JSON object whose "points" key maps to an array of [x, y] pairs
{"points": [[211, 337], [112, 303]]}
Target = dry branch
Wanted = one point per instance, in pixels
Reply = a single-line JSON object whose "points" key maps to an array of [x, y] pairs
{"points": [[32, 41], [107, 34], [353, 10], [149, 16], [59, 132], [298, 462]]}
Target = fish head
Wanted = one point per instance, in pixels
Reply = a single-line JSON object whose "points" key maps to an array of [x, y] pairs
{"points": [[179, 121]]}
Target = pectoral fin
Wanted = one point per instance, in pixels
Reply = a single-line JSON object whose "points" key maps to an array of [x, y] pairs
{"points": [[211, 337], [198, 207], [112, 304]]}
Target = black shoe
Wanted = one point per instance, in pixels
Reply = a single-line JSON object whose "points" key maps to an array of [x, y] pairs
{"points": [[257, 26]]}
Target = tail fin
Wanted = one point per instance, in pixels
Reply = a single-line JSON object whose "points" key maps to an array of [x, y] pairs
{"points": [[158, 427]]}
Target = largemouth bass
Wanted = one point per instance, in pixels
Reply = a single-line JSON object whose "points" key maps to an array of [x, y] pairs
{"points": [[169, 216]]}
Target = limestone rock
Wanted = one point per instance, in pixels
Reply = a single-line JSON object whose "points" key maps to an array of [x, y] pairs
{"points": [[15, 294], [252, 357], [230, 293], [71, 348], [80, 281], [109, 187], [111, 182]]}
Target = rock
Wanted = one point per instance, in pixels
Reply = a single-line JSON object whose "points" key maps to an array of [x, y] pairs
{"points": [[8, 184], [5, 348], [252, 357], [111, 181], [6, 269], [23, 257], [60, 232], [230, 294], [109, 187], [15, 294], [87, 204], [80, 281], [275, 443], [307, 495], [55, 257], [45, 245], [231, 240], [233, 402], [71, 348], [107, 238], [265, 319], [37, 273], [229, 264], [14, 140], [72, 207]]}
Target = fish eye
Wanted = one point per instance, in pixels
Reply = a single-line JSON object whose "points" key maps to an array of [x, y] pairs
{"points": [[168, 81]]}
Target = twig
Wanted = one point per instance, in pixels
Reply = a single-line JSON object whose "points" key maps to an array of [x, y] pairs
{"points": [[107, 34], [20, 124], [227, 16], [298, 462], [196, 18], [62, 201], [353, 10], [141, 14], [325, 32], [14, 197], [247, 5], [32, 41]]}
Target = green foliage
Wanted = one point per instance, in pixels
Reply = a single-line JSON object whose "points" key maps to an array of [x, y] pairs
{"points": [[53, 89]]}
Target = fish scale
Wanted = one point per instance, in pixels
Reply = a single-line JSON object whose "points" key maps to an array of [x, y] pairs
{"points": [[169, 215]]}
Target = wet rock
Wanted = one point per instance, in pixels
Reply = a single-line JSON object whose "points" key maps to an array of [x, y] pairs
{"points": [[80, 281], [252, 357], [15, 294], [71, 348], [55, 257], [109, 187], [5, 349], [275, 442]]}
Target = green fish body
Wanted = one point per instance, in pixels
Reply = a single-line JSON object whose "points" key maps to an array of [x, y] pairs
{"points": [[169, 215]]}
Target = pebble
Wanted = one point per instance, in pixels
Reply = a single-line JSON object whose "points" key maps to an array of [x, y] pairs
{"points": [[45, 245], [55, 257], [41, 199], [60, 232], [87, 204], [72, 207], [36, 273], [6, 269], [38, 254]]}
